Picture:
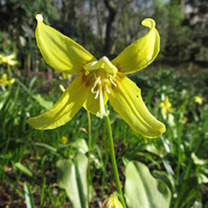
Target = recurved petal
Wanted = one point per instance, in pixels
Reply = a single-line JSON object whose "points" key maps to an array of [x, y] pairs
{"points": [[59, 51], [140, 53], [127, 101], [65, 108]]}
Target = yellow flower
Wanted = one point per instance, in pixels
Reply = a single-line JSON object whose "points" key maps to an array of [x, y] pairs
{"points": [[8, 59], [64, 140], [5, 81], [112, 202], [198, 100], [166, 106], [98, 80], [185, 119]]}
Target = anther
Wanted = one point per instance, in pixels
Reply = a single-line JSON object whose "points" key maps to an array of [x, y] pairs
{"points": [[107, 89]]}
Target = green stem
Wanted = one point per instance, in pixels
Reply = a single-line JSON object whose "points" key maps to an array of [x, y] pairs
{"points": [[113, 160], [9, 76], [89, 152], [9, 72]]}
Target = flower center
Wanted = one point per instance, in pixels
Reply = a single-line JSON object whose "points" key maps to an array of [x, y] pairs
{"points": [[104, 72]]}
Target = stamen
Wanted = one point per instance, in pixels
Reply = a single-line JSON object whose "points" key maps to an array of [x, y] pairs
{"points": [[95, 84], [97, 93], [107, 89], [111, 80], [99, 86]]}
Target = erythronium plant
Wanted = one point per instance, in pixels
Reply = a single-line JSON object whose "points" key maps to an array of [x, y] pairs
{"points": [[166, 106], [98, 80], [10, 59], [5, 81]]}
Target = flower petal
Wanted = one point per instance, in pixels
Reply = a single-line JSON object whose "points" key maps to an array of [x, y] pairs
{"points": [[127, 101], [65, 108], [12, 81], [59, 51], [4, 77], [140, 53]]}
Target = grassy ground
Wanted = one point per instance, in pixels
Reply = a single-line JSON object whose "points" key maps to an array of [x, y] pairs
{"points": [[181, 151]]}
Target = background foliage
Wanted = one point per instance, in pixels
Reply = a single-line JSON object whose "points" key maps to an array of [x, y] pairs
{"points": [[182, 25]]}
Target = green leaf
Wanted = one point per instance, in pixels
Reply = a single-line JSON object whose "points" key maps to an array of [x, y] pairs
{"points": [[166, 178], [198, 161], [28, 196], [24, 169], [152, 149], [168, 167], [81, 145], [72, 176], [91, 192], [125, 161], [143, 190], [46, 146], [44, 103], [32, 82], [202, 178]]}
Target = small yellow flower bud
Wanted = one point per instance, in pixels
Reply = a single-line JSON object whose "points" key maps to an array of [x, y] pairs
{"points": [[112, 202], [198, 100], [64, 140], [185, 119]]}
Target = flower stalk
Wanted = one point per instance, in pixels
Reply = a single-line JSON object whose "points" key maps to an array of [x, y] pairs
{"points": [[89, 152], [10, 76], [113, 161]]}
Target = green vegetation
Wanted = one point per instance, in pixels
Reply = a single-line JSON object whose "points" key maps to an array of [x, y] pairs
{"points": [[179, 157], [39, 168]]}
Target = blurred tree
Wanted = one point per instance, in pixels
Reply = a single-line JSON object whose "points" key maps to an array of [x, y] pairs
{"points": [[178, 36], [197, 19], [186, 32], [18, 25], [110, 5], [106, 27]]}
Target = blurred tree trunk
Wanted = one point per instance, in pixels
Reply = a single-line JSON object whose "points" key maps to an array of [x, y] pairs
{"points": [[99, 22], [183, 8], [112, 13], [69, 17]]}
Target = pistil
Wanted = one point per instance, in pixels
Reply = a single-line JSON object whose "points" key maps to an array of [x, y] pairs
{"points": [[102, 111]]}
